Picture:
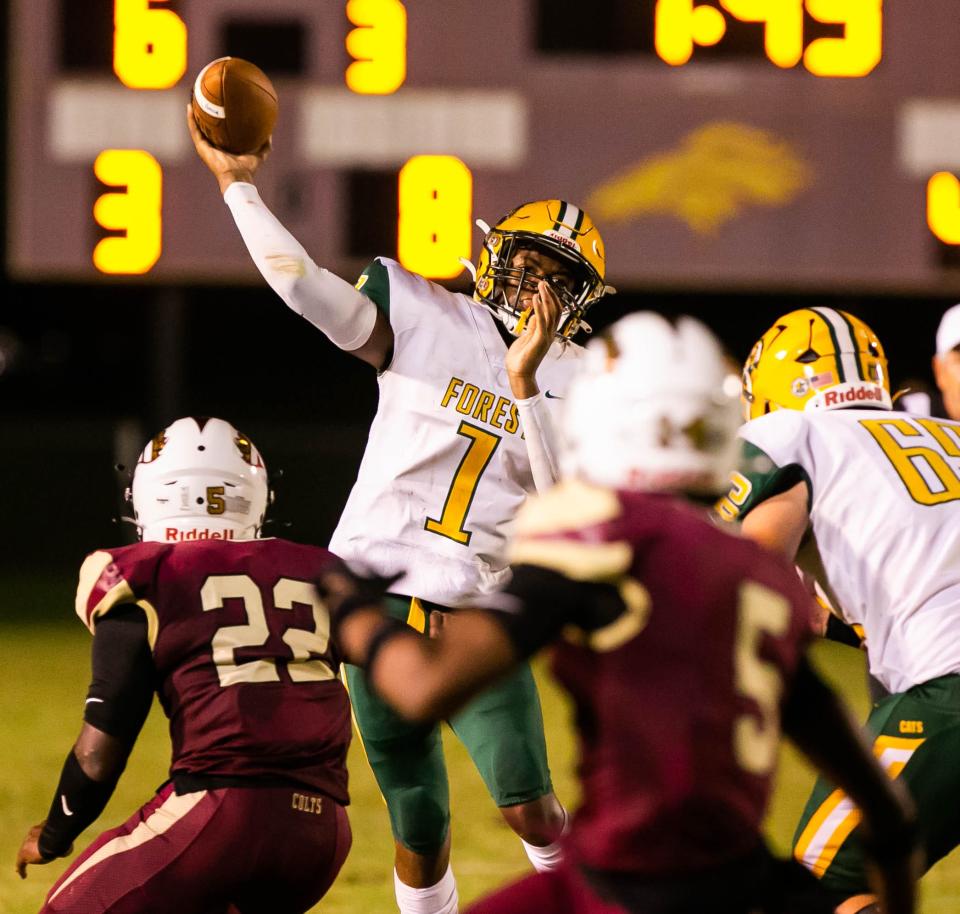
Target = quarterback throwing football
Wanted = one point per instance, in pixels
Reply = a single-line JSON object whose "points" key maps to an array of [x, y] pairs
{"points": [[681, 645], [461, 437]]}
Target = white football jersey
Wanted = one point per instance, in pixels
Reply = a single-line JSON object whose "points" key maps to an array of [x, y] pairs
{"points": [[445, 468], [885, 511]]}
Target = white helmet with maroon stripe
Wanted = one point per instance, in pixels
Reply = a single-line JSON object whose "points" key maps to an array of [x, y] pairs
{"points": [[199, 479], [654, 407]]}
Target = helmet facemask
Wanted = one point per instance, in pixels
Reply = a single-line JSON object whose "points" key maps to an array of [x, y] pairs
{"points": [[539, 227]]}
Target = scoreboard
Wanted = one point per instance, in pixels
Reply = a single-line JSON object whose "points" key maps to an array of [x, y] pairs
{"points": [[754, 144]]}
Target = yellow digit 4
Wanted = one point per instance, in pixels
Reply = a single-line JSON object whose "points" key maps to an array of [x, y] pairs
{"points": [[761, 612], [135, 210], [783, 26], [149, 45], [924, 465], [464, 484], [860, 48], [378, 46], [435, 205]]}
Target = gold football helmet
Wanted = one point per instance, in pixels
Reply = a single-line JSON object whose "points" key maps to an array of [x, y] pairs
{"points": [[558, 229], [815, 358]]}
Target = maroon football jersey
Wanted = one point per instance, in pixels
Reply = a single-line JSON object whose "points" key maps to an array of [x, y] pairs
{"points": [[677, 700], [246, 672]]}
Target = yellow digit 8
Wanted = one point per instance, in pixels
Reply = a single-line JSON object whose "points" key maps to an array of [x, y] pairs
{"points": [[860, 48], [943, 207], [783, 26], [435, 204], [135, 210], [378, 46], [149, 45], [679, 25]]}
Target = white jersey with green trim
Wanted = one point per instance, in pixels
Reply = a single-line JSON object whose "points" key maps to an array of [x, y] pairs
{"points": [[885, 511], [445, 469]]}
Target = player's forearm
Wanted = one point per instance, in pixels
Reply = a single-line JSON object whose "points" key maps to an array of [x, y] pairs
{"points": [[541, 440], [330, 303], [78, 800], [431, 678]]}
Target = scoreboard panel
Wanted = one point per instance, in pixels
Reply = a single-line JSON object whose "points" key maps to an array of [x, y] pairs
{"points": [[763, 144]]}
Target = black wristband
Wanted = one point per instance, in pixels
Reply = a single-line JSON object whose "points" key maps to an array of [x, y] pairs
{"points": [[77, 802], [388, 630]]}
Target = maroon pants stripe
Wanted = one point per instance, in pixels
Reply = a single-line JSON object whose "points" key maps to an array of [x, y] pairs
{"points": [[247, 850]]}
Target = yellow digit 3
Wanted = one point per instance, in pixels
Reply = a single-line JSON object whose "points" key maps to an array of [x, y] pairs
{"points": [[464, 484]]}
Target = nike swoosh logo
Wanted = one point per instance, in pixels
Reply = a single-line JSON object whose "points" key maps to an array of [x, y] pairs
{"points": [[66, 809], [93, 699], [551, 396]]}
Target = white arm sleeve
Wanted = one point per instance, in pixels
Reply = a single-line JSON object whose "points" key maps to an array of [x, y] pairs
{"points": [[330, 303], [541, 439]]}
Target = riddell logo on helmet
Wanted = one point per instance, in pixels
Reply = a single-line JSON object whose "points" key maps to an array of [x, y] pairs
{"points": [[836, 397], [173, 535], [562, 239]]}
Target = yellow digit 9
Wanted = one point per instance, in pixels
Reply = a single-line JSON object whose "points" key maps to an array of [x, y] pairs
{"points": [[679, 25], [464, 484], [149, 45], [435, 203], [860, 48], [943, 207], [137, 210], [378, 46], [783, 26]]}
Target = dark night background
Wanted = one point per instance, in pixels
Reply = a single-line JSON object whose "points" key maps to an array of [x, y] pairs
{"points": [[82, 367]]}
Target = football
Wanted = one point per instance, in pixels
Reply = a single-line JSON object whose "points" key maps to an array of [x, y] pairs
{"points": [[234, 105]]}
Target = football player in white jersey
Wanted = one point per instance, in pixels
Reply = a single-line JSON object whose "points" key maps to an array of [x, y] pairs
{"points": [[880, 490], [461, 436]]}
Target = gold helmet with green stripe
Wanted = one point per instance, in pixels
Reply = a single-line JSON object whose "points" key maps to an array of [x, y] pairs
{"points": [[815, 358], [558, 229]]}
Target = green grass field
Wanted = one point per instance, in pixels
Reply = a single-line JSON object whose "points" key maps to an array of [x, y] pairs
{"points": [[43, 677]]}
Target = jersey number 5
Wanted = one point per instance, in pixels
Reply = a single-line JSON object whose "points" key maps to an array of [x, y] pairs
{"points": [[304, 666], [755, 737]]}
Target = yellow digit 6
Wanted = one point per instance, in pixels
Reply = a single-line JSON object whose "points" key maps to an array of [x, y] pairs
{"points": [[149, 45], [378, 46], [860, 48], [783, 26], [137, 210], [435, 202]]}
